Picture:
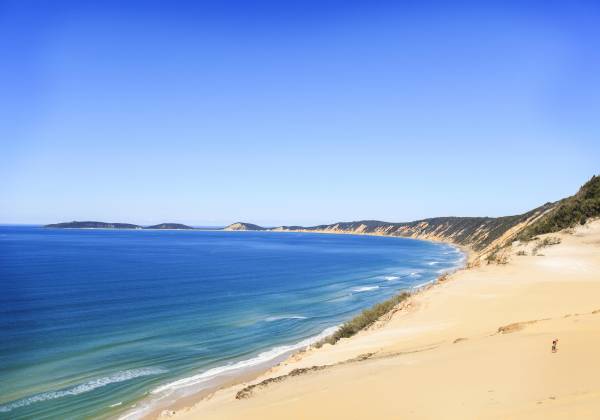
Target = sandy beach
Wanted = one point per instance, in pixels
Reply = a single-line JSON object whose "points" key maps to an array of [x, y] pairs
{"points": [[477, 345]]}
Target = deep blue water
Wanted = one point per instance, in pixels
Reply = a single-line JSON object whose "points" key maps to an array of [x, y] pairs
{"points": [[92, 320]]}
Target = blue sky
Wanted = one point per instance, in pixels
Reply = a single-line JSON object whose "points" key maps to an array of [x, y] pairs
{"points": [[294, 112]]}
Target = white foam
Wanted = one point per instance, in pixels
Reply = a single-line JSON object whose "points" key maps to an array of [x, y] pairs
{"points": [[414, 274], [116, 404], [391, 278], [263, 357], [84, 387], [433, 263], [282, 317], [365, 289]]}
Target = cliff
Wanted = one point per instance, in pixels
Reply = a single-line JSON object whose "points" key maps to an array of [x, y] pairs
{"points": [[482, 234]]}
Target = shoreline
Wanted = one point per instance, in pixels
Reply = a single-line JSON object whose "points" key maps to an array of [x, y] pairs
{"points": [[405, 330], [236, 375], [148, 408], [243, 376]]}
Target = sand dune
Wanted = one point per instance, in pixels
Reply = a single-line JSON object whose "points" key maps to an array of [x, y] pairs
{"points": [[475, 346]]}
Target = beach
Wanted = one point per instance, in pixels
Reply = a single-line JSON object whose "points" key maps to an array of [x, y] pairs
{"points": [[477, 345]]}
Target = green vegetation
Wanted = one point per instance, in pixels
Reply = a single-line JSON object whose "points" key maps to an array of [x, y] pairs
{"points": [[569, 212], [365, 319]]}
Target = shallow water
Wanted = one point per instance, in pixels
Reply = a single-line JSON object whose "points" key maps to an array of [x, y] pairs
{"points": [[93, 320]]}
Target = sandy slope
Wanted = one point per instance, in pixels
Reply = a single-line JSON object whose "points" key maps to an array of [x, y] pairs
{"points": [[419, 370]]}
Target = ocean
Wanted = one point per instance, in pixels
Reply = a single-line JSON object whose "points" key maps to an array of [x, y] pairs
{"points": [[112, 323]]}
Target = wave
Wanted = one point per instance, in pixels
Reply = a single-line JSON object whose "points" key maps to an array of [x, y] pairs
{"points": [[164, 391], [414, 274], [282, 317], [263, 357], [391, 278], [82, 388], [365, 289], [433, 263]]}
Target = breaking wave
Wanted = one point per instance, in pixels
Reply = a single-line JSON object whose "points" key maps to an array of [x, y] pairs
{"points": [[82, 388], [282, 317], [365, 289]]}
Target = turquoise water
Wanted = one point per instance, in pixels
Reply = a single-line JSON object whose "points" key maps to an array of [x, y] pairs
{"points": [[91, 321]]}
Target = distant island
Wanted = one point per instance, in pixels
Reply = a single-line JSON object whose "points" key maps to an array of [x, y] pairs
{"points": [[169, 226], [104, 225]]}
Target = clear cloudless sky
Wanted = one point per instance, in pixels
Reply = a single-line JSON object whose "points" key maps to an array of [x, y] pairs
{"points": [[285, 112]]}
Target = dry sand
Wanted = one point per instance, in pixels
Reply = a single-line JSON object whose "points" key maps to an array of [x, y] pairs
{"points": [[477, 346]]}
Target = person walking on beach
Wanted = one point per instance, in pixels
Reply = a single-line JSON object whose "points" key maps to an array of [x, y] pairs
{"points": [[554, 344]]}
